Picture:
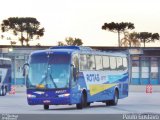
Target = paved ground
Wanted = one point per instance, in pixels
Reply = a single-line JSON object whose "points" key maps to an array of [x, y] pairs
{"points": [[135, 103]]}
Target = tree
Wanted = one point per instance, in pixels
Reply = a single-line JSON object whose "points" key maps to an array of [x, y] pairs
{"points": [[71, 41], [38, 45], [118, 27], [26, 28], [12, 43], [78, 42], [60, 43], [130, 40], [147, 37], [2, 36]]}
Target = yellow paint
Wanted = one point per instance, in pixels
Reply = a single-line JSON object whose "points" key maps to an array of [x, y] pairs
{"points": [[94, 88]]}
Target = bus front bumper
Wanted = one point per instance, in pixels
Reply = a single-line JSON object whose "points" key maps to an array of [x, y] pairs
{"points": [[49, 101]]}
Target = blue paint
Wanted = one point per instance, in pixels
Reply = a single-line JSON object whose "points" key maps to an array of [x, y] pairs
{"points": [[45, 92]]}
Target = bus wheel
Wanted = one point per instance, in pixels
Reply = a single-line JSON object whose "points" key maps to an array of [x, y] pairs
{"points": [[46, 107], [83, 102], [4, 91], [1, 91], [108, 102], [88, 104], [115, 99]]}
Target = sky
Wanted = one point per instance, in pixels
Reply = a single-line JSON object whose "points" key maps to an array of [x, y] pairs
{"points": [[84, 18]]}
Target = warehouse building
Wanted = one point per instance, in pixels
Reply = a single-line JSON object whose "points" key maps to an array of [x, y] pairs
{"points": [[144, 63]]}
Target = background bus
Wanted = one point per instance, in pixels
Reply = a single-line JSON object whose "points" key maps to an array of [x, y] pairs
{"points": [[76, 75], [5, 76]]}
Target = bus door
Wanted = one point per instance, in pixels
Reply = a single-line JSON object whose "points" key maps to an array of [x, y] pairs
{"points": [[75, 87], [0, 79]]}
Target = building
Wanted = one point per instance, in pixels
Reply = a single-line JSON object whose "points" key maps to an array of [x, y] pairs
{"points": [[144, 63], [19, 55]]}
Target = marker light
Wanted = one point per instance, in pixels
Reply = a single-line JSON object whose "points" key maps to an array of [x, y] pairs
{"points": [[64, 95]]}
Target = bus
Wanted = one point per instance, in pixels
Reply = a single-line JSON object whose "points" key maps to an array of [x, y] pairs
{"points": [[66, 75], [5, 76]]}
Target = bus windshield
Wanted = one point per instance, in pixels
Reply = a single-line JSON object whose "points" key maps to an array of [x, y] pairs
{"points": [[49, 72]]}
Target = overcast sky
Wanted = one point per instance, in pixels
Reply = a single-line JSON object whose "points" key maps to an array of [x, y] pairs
{"points": [[83, 18]]}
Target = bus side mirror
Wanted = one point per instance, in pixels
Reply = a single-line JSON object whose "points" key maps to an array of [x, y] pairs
{"points": [[25, 69], [75, 73]]}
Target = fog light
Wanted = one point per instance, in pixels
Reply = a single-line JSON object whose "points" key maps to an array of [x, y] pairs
{"points": [[31, 96]]}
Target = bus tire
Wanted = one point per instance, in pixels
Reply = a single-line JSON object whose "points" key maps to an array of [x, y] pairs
{"points": [[4, 91], [115, 99], [88, 104], [83, 102], [1, 91], [108, 102], [46, 107]]}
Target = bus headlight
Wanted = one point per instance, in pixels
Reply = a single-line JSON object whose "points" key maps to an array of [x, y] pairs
{"points": [[31, 96], [64, 95]]}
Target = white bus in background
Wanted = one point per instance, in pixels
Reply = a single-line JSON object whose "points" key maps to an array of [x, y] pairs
{"points": [[5, 76]]}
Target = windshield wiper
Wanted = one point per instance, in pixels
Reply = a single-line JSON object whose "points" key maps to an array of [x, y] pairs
{"points": [[53, 81], [46, 80]]}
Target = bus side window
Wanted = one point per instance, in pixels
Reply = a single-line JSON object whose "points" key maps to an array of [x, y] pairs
{"points": [[119, 63], [113, 63], [91, 62], [76, 61], [98, 62], [125, 64], [106, 64], [83, 62]]}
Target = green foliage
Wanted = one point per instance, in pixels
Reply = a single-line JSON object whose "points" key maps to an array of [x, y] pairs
{"points": [[12, 43], [25, 28], [130, 40], [147, 37], [114, 27], [71, 41], [60, 43], [78, 42], [118, 27]]}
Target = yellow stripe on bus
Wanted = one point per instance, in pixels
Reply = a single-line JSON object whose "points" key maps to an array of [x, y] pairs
{"points": [[94, 89]]}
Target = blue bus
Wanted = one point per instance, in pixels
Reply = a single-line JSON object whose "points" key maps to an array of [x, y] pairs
{"points": [[5, 76], [66, 75]]}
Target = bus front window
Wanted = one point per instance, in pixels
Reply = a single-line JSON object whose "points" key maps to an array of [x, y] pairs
{"points": [[51, 73]]}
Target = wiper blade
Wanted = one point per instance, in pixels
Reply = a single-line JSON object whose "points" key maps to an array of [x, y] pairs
{"points": [[53, 81], [40, 85]]}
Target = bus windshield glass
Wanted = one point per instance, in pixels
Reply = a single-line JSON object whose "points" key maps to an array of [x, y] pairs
{"points": [[49, 71]]}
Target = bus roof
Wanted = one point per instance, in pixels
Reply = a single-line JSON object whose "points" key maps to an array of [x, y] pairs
{"points": [[1, 58], [80, 50], [88, 50]]}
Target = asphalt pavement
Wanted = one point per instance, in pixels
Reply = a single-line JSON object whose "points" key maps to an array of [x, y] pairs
{"points": [[135, 103]]}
